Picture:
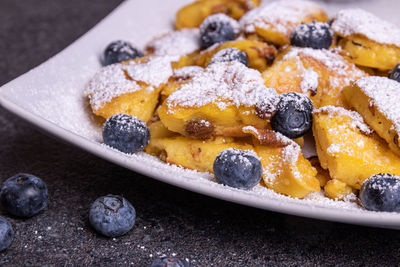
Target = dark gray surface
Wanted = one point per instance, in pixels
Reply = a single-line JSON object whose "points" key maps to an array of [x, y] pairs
{"points": [[207, 231]]}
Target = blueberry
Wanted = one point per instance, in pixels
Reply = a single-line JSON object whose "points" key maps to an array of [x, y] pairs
{"points": [[112, 215], [381, 192], [395, 73], [238, 168], [230, 54], [6, 233], [24, 195], [217, 28], [120, 51], [316, 35], [169, 262], [126, 133], [293, 116]]}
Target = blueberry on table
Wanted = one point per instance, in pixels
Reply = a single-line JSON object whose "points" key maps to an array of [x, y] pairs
{"points": [[126, 133], [317, 35], [381, 192], [217, 28], [293, 116], [238, 168], [24, 195], [6, 233], [230, 54], [119, 51], [112, 215], [169, 262], [395, 73]]}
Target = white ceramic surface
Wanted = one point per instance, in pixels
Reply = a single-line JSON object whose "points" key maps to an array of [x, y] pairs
{"points": [[50, 97]]}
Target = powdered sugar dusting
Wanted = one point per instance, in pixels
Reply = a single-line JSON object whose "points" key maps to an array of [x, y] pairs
{"points": [[180, 42], [154, 72], [283, 16], [357, 120], [187, 72], [220, 18], [358, 21], [238, 155], [118, 79], [223, 84], [330, 58], [385, 95], [310, 81], [108, 83]]}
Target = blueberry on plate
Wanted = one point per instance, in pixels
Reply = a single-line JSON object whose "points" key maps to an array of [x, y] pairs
{"points": [[169, 262], [293, 116], [6, 233], [381, 192], [230, 54], [119, 51], [317, 35], [24, 195], [217, 28], [395, 73], [112, 215], [126, 133], [238, 168]]}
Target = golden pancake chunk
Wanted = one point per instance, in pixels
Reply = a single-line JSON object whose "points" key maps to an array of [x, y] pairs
{"points": [[219, 101], [274, 22], [377, 99], [322, 174], [349, 149], [260, 54], [370, 41], [131, 87], [284, 168], [192, 15], [320, 74], [338, 190], [179, 77]]}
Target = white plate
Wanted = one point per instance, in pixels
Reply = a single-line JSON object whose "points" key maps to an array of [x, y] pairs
{"points": [[50, 97]]}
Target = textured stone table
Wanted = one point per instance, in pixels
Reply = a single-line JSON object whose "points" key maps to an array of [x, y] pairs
{"points": [[207, 231]]}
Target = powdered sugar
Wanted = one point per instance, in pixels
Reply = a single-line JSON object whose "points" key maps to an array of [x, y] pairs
{"points": [[282, 16], [180, 42], [187, 72], [110, 82], [220, 18], [118, 79], [358, 21], [238, 154], [330, 58], [310, 81], [223, 84], [154, 72], [385, 95], [357, 120]]}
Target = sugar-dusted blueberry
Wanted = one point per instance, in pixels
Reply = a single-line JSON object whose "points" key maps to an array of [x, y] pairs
{"points": [[126, 133], [230, 54], [119, 51], [112, 215], [317, 35], [24, 195], [395, 73], [6, 233], [238, 168], [293, 115], [169, 262], [217, 28], [381, 192]]}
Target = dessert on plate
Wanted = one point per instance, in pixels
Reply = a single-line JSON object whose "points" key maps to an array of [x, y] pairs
{"points": [[238, 85]]}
